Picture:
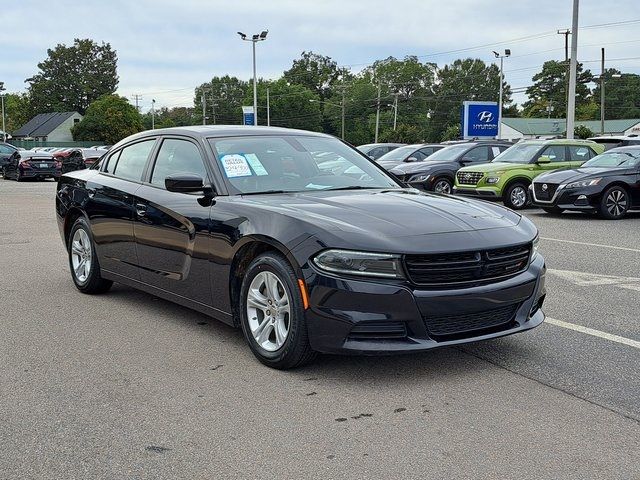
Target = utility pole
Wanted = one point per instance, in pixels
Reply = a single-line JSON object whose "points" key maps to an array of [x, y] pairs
{"points": [[137, 97], [4, 131], [378, 112], [153, 114], [395, 110], [571, 103], [602, 94], [342, 136], [268, 112], [549, 108], [566, 34], [204, 107]]}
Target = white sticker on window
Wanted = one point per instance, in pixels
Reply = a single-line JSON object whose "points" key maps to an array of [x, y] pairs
{"points": [[235, 165], [256, 164]]}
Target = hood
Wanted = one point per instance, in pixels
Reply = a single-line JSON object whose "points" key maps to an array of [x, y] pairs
{"points": [[576, 174], [389, 164], [494, 167], [418, 167], [386, 213]]}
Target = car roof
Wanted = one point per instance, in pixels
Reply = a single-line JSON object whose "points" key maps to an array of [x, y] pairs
{"points": [[628, 148], [615, 137], [382, 144], [556, 141]]}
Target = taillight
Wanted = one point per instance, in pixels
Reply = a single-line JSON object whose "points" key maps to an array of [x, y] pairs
{"points": [[58, 164], [24, 164]]}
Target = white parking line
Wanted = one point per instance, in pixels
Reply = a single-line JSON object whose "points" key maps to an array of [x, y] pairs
{"points": [[593, 332], [592, 244]]}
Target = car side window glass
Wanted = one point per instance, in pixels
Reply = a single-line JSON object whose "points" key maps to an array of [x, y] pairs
{"points": [[175, 157], [426, 151], [579, 154], [496, 151], [5, 149], [111, 162], [555, 152], [419, 155], [132, 160], [478, 154], [377, 152]]}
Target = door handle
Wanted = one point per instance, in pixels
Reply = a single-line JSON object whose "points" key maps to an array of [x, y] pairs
{"points": [[141, 209]]}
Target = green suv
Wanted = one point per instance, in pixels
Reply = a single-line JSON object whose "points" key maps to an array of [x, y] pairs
{"points": [[509, 175]]}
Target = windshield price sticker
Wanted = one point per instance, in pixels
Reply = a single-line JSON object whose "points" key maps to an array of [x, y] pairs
{"points": [[235, 165], [256, 164]]}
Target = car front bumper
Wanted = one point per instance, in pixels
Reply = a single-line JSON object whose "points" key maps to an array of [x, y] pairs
{"points": [[351, 316], [579, 199], [488, 193], [41, 173]]}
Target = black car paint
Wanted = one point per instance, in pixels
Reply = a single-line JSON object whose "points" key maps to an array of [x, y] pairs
{"points": [[442, 169], [567, 198], [13, 170], [6, 151], [189, 248]]}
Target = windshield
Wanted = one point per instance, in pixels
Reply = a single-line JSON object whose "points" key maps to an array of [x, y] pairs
{"points": [[615, 159], [291, 163], [449, 153], [399, 154], [522, 153]]}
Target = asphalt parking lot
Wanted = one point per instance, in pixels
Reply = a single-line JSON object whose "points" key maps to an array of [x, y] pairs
{"points": [[126, 385]]}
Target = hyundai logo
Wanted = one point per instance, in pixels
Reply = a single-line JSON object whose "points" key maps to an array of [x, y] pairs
{"points": [[485, 117], [545, 187]]}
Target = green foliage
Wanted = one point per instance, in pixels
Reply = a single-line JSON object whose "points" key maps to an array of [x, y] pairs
{"points": [[318, 73], [291, 105], [17, 110], [172, 117], [469, 79], [550, 85], [224, 99], [403, 133], [580, 131], [451, 133], [622, 95], [108, 120], [71, 78]]}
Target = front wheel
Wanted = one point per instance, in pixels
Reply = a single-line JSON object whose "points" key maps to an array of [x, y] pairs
{"points": [[83, 260], [516, 196], [272, 313], [614, 203], [443, 185]]}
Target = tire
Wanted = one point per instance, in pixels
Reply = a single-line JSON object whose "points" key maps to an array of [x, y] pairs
{"points": [[18, 176], [277, 340], [553, 210], [614, 203], [513, 196], [81, 247], [443, 185]]}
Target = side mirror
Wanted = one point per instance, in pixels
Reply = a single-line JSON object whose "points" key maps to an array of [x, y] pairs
{"points": [[542, 159], [411, 159], [186, 183]]}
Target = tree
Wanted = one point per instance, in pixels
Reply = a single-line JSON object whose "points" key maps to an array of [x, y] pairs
{"points": [[224, 99], [580, 131], [290, 105], [452, 133], [17, 110], [469, 79], [109, 119], [622, 95], [71, 78], [318, 73], [550, 89], [171, 117]]}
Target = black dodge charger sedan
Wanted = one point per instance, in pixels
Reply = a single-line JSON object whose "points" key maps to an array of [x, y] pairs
{"points": [[608, 184], [242, 223]]}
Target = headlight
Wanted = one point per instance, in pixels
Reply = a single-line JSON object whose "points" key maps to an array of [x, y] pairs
{"points": [[383, 265], [534, 249], [419, 178], [584, 183], [493, 179]]}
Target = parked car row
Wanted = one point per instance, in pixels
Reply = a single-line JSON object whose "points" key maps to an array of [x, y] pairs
{"points": [[546, 173]]}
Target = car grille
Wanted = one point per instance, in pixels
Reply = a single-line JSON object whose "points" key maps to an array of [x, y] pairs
{"points": [[378, 331], [471, 324], [469, 178], [542, 193], [467, 268]]}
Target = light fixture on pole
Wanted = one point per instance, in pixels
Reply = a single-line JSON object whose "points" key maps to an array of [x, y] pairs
{"points": [[153, 114], [507, 53], [255, 39]]}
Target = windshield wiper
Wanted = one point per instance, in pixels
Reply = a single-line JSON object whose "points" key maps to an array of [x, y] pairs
{"points": [[351, 187], [267, 192]]}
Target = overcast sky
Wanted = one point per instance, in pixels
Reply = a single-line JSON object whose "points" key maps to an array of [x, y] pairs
{"points": [[165, 48]]}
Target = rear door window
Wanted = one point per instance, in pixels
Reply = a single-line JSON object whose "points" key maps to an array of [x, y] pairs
{"points": [[579, 153], [557, 153], [477, 155]]}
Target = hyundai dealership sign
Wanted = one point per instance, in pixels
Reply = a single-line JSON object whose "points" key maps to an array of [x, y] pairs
{"points": [[480, 120]]}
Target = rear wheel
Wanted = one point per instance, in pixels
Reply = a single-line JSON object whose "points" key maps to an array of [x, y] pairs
{"points": [[553, 210], [272, 314], [516, 196], [18, 176], [83, 260], [442, 185], [614, 203]]}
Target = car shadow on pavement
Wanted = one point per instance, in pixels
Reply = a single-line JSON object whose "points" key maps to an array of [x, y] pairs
{"points": [[579, 216]]}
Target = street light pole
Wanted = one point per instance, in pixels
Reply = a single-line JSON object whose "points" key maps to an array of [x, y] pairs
{"points": [[268, 108], [4, 131], [507, 53], [602, 94], [153, 114], [378, 112], [342, 113], [571, 101], [255, 39], [395, 111]]}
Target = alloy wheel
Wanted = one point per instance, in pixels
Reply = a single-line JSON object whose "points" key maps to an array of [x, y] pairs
{"points": [[616, 202], [442, 186], [518, 196], [268, 311], [81, 255]]}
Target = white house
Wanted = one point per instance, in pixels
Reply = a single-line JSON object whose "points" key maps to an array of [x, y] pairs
{"points": [[517, 128], [49, 127]]}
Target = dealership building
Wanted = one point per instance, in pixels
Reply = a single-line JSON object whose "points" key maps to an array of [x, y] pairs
{"points": [[518, 128]]}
